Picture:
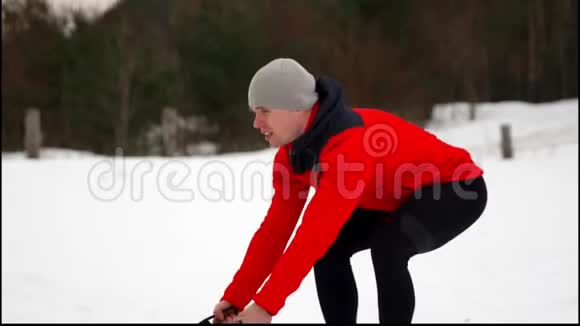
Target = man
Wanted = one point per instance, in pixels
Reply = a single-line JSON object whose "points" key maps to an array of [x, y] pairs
{"points": [[381, 183]]}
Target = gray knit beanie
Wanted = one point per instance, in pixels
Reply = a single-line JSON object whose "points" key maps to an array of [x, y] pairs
{"points": [[283, 84]]}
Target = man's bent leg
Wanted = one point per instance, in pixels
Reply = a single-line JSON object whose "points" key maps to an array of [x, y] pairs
{"points": [[335, 282], [390, 253], [336, 288]]}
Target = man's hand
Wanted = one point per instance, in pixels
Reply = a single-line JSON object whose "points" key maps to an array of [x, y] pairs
{"points": [[254, 314], [218, 313]]}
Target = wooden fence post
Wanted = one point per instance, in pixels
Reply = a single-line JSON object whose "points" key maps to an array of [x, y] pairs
{"points": [[506, 142], [170, 131], [32, 133]]}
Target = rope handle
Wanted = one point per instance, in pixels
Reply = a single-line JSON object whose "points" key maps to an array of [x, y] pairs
{"points": [[226, 311]]}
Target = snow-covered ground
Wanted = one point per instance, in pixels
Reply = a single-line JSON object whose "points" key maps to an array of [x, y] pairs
{"points": [[95, 239]]}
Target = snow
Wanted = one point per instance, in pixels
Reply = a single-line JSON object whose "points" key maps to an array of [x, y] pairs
{"points": [[87, 238], [93, 7]]}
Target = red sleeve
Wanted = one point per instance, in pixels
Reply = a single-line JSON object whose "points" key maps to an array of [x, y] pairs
{"points": [[346, 170], [269, 241]]}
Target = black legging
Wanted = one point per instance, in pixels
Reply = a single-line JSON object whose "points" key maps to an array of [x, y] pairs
{"points": [[430, 218]]}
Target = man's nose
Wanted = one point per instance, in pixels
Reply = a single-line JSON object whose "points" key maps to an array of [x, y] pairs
{"points": [[257, 122]]}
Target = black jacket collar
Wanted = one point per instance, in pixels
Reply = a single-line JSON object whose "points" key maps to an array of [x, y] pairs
{"points": [[333, 116]]}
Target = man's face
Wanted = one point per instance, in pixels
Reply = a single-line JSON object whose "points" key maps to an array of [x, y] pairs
{"points": [[280, 126]]}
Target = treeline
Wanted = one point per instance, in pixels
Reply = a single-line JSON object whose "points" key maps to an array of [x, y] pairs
{"points": [[102, 83]]}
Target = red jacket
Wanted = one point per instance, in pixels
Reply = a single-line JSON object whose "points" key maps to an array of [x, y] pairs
{"points": [[374, 166]]}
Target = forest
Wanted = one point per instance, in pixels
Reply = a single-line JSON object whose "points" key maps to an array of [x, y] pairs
{"points": [[113, 81]]}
